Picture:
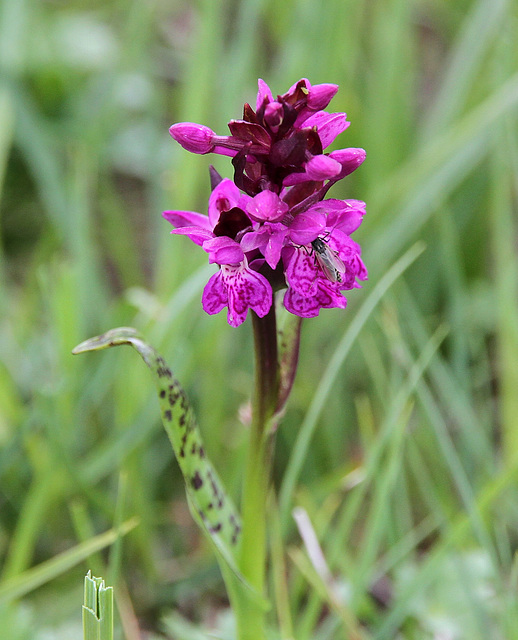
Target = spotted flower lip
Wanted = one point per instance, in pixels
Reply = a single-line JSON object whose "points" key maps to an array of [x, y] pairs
{"points": [[236, 285], [273, 226], [239, 288]]}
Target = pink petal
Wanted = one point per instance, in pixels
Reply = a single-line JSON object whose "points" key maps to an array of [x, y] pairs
{"points": [[308, 306], [272, 250], [254, 239], [223, 251], [348, 221], [322, 167], [320, 95], [247, 289], [345, 215], [224, 197], [270, 239], [301, 272], [293, 88], [307, 226], [349, 252], [266, 206], [263, 93], [187, 219], [350, 159], [329, 125], [215, 295], [273, 115], [197, 235], [295, 178]]}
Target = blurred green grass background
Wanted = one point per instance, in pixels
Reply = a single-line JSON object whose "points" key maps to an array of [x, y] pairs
{"points": [[410, 477]]}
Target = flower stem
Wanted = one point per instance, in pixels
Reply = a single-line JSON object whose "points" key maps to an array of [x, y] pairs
{"points": [[257, 475]]}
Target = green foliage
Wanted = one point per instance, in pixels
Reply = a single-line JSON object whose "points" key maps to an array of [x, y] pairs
{"points": [[213, 508], [399, 444], [97, 609]]}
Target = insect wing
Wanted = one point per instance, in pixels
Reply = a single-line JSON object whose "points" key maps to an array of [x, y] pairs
{"points": [[330, 263]]}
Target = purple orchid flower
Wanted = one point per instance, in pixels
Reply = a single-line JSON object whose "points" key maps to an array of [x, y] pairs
{"points": [[237, 285], [272, 227], [323, 260]]}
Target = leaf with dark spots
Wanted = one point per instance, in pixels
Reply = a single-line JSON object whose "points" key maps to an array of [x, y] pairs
{"points": [[289, 345], [196, 481], [203, 485]]}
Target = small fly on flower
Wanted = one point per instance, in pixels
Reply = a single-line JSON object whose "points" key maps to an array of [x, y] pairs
{"points": [[328, 260]]}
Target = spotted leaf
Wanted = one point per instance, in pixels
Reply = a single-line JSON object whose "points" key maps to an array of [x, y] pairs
{"points": [[213, 509]]}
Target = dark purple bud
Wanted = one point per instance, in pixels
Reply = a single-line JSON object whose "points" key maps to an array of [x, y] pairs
{"points": [[250, 132]]}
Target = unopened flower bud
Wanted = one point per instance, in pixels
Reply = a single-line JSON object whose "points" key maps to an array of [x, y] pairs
{"points": [[350, 159], [320, 95], [193, 137], [273, 115], [322, 167]]}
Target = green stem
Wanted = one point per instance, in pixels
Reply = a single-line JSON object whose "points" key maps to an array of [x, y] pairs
{"points": [[250, 618]]}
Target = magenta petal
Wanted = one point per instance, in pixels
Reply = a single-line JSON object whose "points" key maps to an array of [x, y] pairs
{"points": [[187, 219], [320, 95], [346, 216], [263, 93], [223, 250], [322, 167], [301, 272], [266, 206], [308, 306], [270, 239], [215, 295], [254, 239], [307, 226], [350, 159], [360, 268], [197, 235], [329, 125], [224, 197], [306, 83], [295, 178], [225, 151], [349, 252], [247, 289], [272, 250]]}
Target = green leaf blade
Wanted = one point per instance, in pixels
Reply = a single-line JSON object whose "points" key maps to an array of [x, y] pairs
{"points": [[214, 509]]}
